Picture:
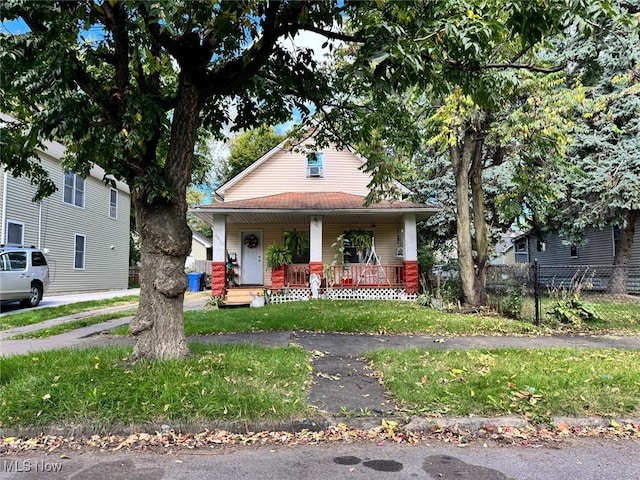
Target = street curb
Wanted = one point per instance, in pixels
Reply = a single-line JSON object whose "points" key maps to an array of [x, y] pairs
{"points": [[415, 425]]}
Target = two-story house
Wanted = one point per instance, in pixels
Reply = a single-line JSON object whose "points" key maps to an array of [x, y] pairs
{"points": [[319, 195], [83, 228]]}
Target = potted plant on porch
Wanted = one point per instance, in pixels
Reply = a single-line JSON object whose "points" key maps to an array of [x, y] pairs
{"points": [[277, 256]]}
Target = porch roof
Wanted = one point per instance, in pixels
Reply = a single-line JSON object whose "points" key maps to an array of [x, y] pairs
{"points": [[298, 206]]}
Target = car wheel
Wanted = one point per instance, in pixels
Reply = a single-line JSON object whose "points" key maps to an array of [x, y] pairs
{"points": [[34, 298]]}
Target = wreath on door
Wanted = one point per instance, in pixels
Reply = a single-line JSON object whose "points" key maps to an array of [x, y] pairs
{"points": [[251, 241]]}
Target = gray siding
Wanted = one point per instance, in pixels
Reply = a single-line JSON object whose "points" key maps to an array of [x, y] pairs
{"points": [[597, 250], [52, 225]]}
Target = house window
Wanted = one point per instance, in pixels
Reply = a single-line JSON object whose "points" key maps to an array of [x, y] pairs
{"points": [[79, 252], [113, 203], [15, 233], [541, 246], [74, 189], [521, 246], [315, 165], [574, 251]]}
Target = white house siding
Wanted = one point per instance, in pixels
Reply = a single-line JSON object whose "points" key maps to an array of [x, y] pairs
{"points": [[286, 172], [53, 224]]}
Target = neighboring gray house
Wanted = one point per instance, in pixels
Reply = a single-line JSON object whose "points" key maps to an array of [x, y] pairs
{"points": [[83, 228], [598, 248], [590, 263]]}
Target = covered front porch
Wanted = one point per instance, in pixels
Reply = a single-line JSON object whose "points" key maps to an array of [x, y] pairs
{"points": [[243, 230]]}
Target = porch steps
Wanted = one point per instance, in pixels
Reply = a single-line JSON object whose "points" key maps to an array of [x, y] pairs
{"points": [[238, 297]]}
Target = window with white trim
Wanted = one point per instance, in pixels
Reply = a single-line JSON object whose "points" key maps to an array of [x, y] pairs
{"points": [[315, 165], [15, 233], [79, 252], [74, 189], [113, 203]]}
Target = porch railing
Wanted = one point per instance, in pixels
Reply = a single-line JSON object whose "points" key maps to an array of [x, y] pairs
{"points": [[349, 276], [296, 275]]}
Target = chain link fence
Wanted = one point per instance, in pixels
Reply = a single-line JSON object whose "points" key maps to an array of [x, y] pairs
{"points": [[538, 293]]}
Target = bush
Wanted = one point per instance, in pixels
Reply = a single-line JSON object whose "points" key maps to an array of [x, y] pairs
{"points": [[511, 304]]}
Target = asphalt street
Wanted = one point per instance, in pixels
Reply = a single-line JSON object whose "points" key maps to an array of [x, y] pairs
{"points": [[594, 459]]}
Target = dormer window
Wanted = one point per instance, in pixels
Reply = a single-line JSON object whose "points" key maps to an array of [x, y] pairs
{"points": [[315, 165]]}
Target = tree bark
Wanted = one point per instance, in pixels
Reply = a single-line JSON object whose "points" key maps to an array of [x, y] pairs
{"points": [[479, 223], [166, 240], [466, 158], [620, 273]]}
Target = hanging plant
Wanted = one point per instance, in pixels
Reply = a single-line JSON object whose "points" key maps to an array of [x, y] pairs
{"points": [[296, 242], [360, 239], [277, 256]]}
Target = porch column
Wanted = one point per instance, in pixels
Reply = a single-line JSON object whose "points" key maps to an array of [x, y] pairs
{"points": [[315, 245], [219, 256], [411, 275]]}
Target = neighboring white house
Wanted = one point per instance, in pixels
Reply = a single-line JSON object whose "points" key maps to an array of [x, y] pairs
{"points": [[83, 228], [200, 257]]}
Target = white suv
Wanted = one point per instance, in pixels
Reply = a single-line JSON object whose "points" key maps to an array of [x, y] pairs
{"points": [[24, 275]]}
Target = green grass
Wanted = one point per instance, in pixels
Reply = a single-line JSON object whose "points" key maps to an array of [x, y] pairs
{"points": [[30, 317], [349, 317], [95, 386], [73, 325], [536, 383]]}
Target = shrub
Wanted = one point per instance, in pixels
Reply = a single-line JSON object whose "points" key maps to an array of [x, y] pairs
{"points": [[511, 304]]}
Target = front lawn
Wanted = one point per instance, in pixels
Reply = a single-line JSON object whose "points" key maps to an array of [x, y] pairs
{"points": [[95, 387], [536, 383], [399, 317], [350, 317]]}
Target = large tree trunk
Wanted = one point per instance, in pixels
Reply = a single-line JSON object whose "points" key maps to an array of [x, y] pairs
{"points": [[620, 273], [165, 240], [480, 224], [461, 158]]}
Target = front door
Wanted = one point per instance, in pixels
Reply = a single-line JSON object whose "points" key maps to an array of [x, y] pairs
{"points": [[251, 259]]}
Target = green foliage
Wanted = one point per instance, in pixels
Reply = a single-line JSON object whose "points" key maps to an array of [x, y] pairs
{"points": [[360, 239], [603, 174], [248, 147], [339, 247], [277, 255], [573, 311], [296, 242], [511, 303]]}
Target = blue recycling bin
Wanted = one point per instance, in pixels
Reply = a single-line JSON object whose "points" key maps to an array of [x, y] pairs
{"points": [[194, 281]]}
